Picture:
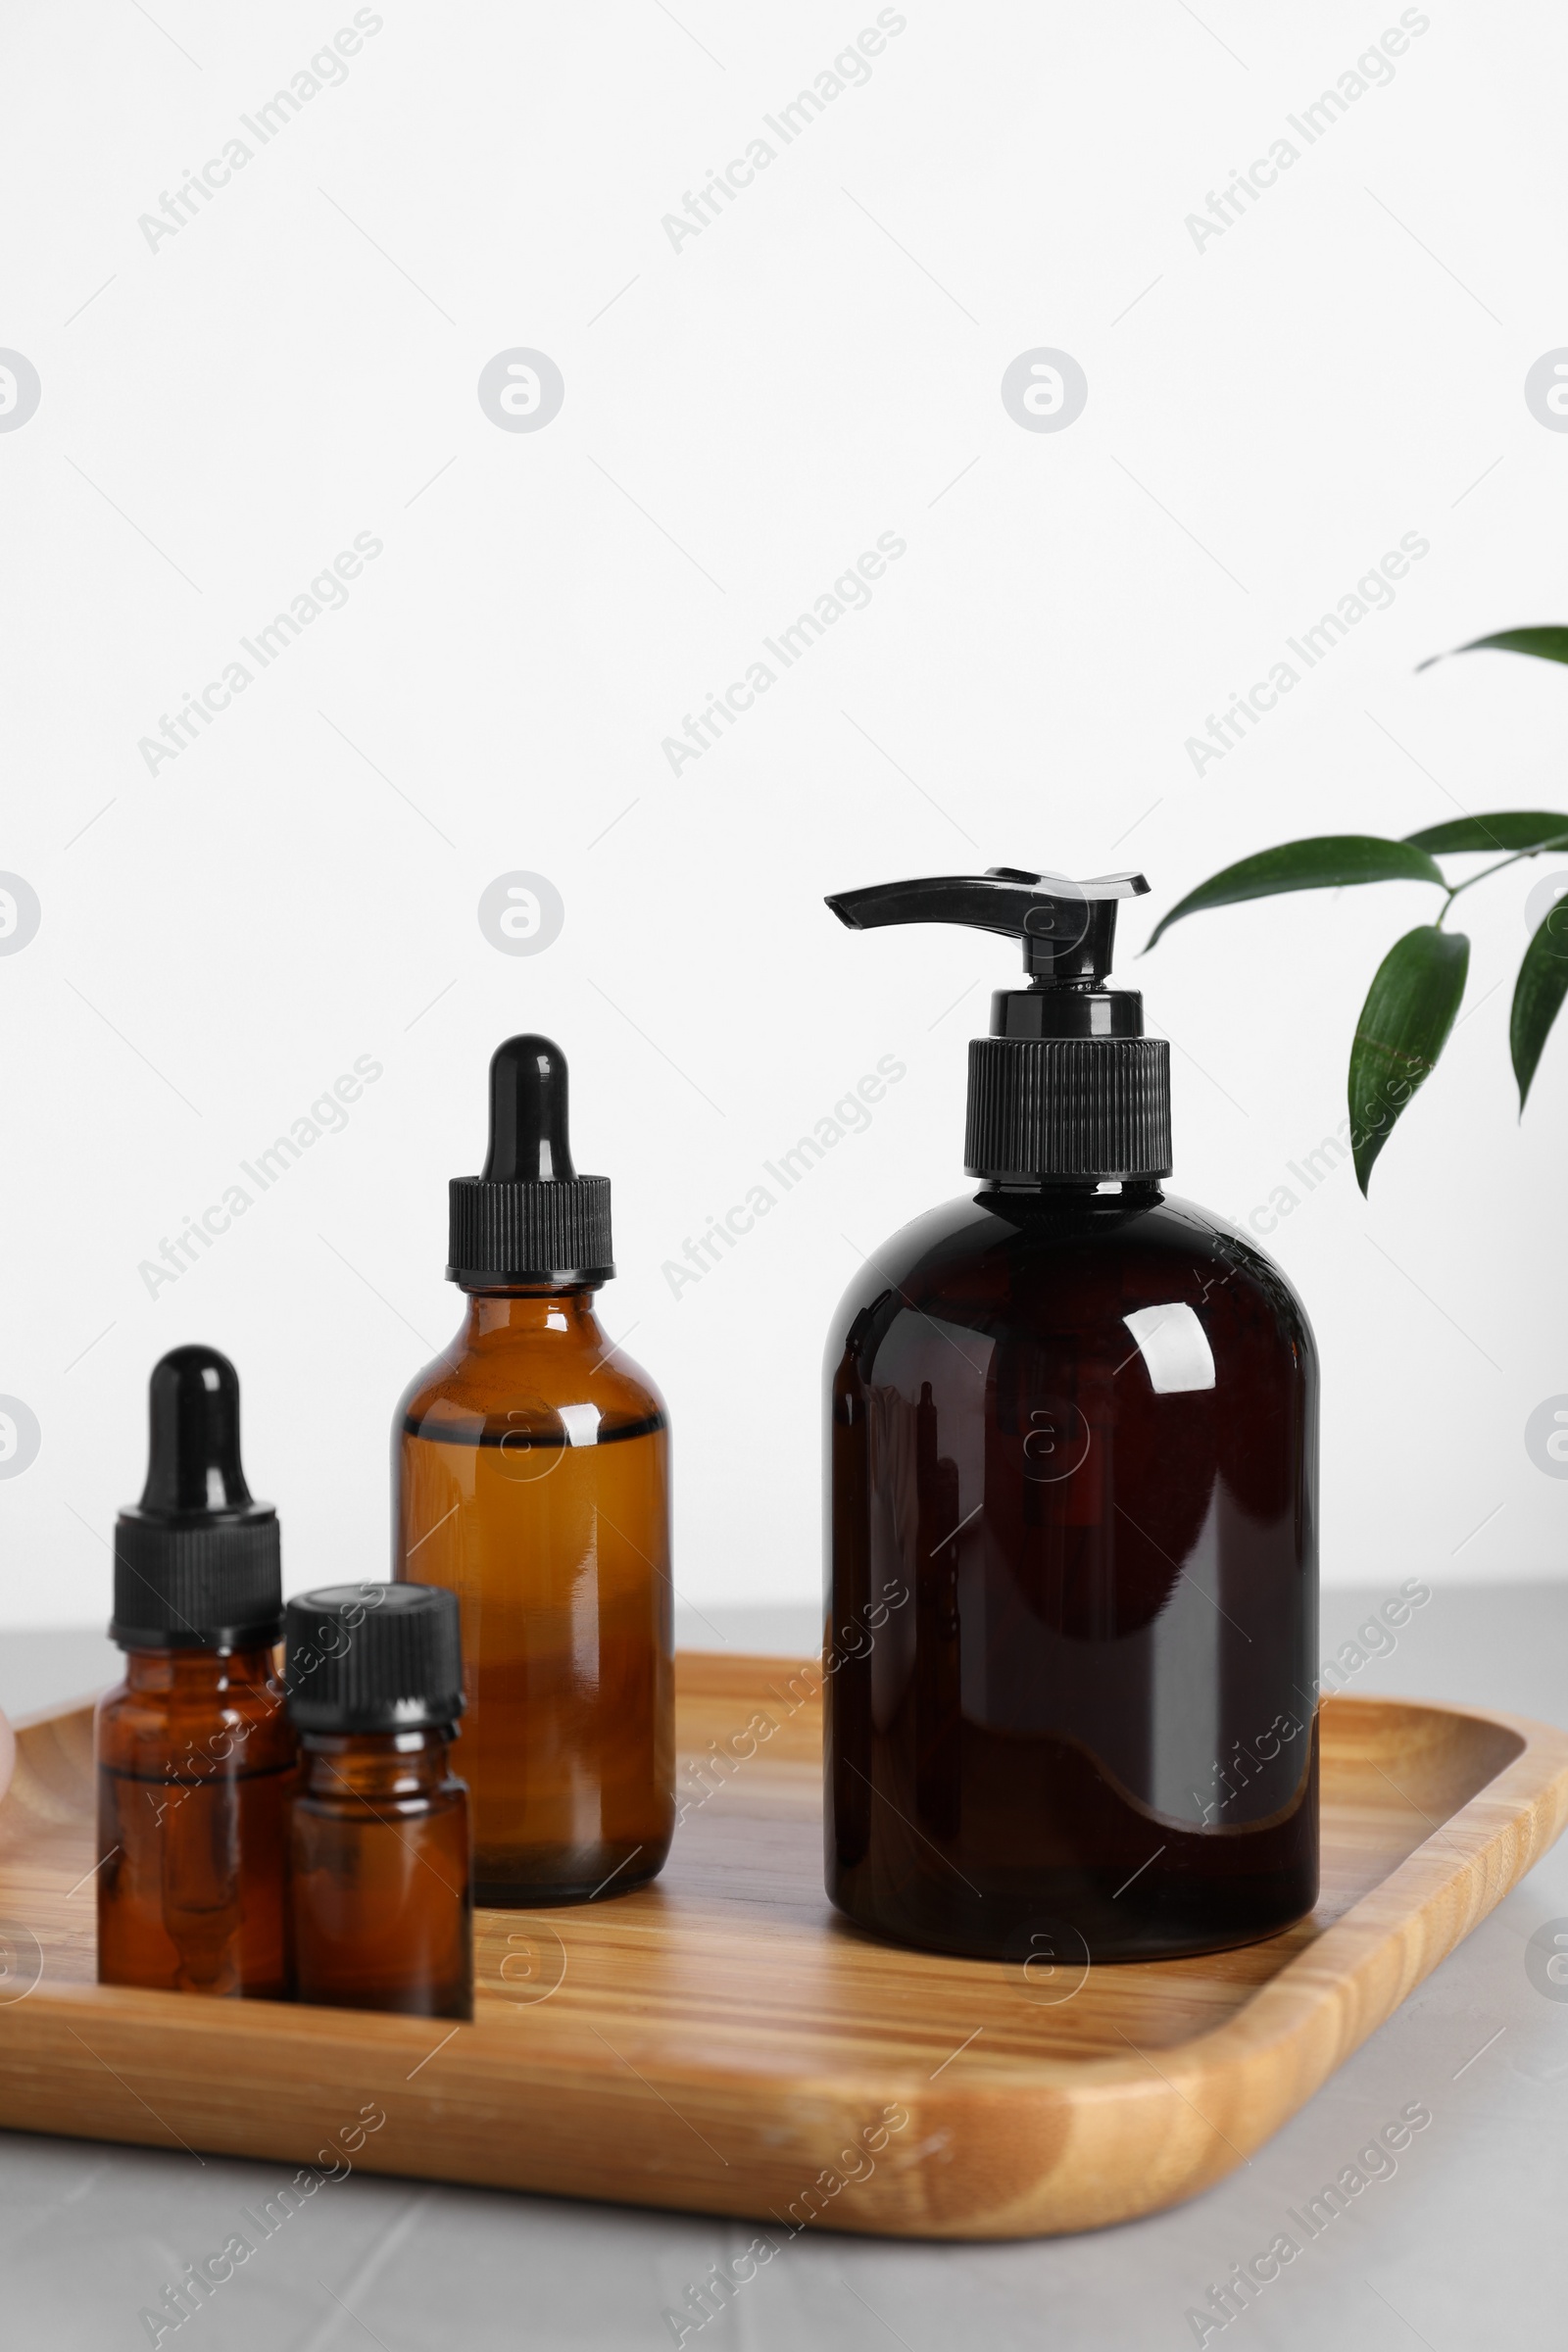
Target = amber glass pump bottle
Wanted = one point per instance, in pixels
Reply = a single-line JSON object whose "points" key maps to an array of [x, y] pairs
{"points": [[196, 1757], [531, 1478], [1071, 1509]]}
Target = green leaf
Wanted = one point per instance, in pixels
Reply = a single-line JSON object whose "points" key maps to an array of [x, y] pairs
{"points": [[1504, 829], [1409, 1012], [1548, 645], [1324, 863], [1537, 993]]}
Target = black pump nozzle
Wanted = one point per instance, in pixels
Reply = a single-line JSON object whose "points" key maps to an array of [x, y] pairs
{"points": [[530, 1221], [1068, 929], [1066, 1087], [197, 1562]]}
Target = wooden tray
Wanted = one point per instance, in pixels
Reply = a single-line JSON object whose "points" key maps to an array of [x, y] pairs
{"points": [[722, 2043]]}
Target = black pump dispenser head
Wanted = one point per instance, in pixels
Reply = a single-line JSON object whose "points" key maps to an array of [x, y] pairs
{"points": [[1067, 930], [1067, 1088], [529, 1222], [197, 1561]]}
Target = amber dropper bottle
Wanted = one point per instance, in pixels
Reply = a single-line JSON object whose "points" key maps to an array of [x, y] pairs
{"points": [[380, 1880], [531, 1478], [196, 1759]]}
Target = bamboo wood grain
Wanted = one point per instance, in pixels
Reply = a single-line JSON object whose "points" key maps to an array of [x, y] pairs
{"points": [[721, 2042]]}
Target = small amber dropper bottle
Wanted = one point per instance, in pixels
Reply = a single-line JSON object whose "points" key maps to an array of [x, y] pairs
{"points": [[531, 1478], [196, 1757], [380, 1880]]}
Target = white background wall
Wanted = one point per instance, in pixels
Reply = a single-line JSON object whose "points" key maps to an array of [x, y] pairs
{"points": [[742, 416]]}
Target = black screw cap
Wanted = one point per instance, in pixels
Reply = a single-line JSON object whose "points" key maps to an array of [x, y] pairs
{"points": [[374, 1658], [197, 1561], [529, 1220]]}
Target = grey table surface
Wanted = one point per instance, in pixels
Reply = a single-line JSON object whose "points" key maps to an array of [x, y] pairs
{"points": [[1464, 2244]]}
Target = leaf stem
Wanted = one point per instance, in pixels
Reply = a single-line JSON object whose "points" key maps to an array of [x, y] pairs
{"points": [[1454, 888]]}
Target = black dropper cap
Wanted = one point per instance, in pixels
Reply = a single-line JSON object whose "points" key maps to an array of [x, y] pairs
{"points": [[1067, 1088], [197, 1562], [529, 1220], [374, 1658]]}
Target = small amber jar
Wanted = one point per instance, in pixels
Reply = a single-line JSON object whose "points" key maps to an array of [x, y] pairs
{"points": [[195, 1754], [382, 1910]]}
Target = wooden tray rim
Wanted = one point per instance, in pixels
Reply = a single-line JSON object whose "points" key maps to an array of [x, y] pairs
{"points": [[1277, 2008], [1250, 2072]]}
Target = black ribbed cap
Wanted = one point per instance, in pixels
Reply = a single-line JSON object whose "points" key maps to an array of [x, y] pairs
{"points": [[374, 1658], [1069, 1107], [529, 1217], [197, 1561]]}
